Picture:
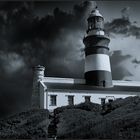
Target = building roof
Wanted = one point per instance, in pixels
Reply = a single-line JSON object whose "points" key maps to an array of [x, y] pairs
{"points": [[62, 84]]}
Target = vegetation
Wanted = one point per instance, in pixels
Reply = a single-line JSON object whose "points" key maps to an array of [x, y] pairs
{"points": [[30, 124], [88, 106], [120, 119]]}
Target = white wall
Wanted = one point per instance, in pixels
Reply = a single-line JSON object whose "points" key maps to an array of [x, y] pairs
{"points": [[43, 96], [62, 99]]}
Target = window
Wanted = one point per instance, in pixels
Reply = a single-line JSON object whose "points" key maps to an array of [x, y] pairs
{"points": [[87, 98], [89, 25], [99, 19], [102, 101], [70, 100], [110, 100], [53, 100]]}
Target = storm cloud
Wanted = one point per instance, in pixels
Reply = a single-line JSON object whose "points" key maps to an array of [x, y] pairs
{"points": [[54, 41]]}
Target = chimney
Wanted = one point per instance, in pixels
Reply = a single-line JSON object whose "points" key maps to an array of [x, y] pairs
{"points": [[38, 75]]}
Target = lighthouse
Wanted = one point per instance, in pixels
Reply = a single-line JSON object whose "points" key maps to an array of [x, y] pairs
{"points": [[97, 61]]}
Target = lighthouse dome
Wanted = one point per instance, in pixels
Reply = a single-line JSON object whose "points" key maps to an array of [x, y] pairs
{"points": [[95, 13]]}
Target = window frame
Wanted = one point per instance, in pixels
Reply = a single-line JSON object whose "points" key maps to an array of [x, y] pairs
{"points": [[69, 100], [87, 98], [53, 102]]}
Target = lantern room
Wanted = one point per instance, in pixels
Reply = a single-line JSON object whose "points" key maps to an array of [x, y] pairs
{"points": [[95, 21]]}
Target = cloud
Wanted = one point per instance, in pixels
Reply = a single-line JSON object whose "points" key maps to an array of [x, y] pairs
{"points": [[125, 12], [135, 61], [119, 70], [123, 26], [67, 54], [125, 37], [11, 63], [54, 41], [129, 47]]}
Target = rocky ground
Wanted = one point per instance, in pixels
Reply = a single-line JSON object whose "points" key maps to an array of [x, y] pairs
{"points": [[119, 119], [29, 124]]}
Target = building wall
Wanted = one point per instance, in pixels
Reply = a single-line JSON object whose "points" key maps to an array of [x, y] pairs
{"points": [[43, 96], [79, 97]]}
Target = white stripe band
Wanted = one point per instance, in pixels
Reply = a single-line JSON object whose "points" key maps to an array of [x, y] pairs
{"points": [[97, 62], [95, 32]]}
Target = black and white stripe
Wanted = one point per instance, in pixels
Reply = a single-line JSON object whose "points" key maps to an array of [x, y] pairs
{"points": [[97, 62], [99, 78]]}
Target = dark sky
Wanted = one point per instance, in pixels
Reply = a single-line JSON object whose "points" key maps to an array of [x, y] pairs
{"points": [[50, 34]]}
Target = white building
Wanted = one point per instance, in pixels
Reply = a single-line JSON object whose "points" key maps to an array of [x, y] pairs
{"points": [[98, 86], [52, 92]]}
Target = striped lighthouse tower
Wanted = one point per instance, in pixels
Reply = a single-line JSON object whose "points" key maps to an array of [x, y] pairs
{"points": [[97, 62]]}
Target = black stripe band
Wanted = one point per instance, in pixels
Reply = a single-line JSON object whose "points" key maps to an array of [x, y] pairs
{"points": [[97, 50], [99, 78], [96, 40]]}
